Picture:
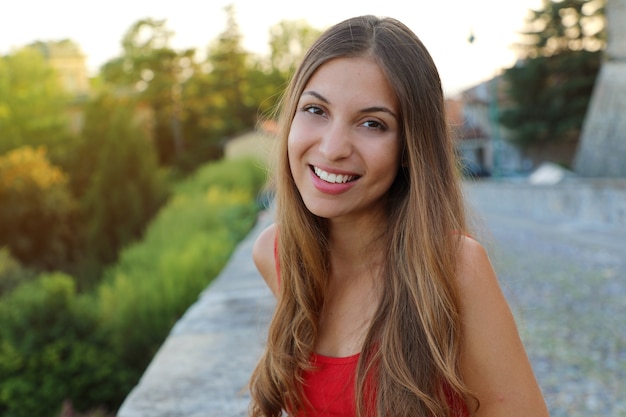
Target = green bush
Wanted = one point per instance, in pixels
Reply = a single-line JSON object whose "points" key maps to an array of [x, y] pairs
{"points": [[79, 352], [185, 247], [51, 351], [12, 273]]}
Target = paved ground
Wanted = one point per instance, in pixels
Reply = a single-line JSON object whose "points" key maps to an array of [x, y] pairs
{"points": [[566, 283]]}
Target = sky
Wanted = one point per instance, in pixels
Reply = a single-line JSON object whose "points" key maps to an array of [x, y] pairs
{"points": [[444, 26]]}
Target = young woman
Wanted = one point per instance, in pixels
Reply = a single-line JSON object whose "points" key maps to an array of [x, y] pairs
{"points": [[385, 306]]}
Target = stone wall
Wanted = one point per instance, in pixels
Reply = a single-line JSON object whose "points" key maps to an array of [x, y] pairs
{"points": [[596, 203], [616, 30], [602, 151]]}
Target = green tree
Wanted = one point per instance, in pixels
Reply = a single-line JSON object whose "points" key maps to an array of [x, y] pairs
{"points": [[550, 97], [221, 98], [37, 209], [564, 26], [289, 40], [121, 185], [232, 89], [197, 105], [550, 87], [151, 72], [32, 102], [232, 111]]}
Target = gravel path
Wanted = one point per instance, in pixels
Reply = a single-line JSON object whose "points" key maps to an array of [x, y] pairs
{"points": [[566, 283]]}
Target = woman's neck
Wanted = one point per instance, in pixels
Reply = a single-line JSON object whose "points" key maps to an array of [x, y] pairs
{"points": [[356, 254], [356, 247]]}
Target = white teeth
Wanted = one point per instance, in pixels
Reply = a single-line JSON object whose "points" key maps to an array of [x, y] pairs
{"points": [[332, 178]]}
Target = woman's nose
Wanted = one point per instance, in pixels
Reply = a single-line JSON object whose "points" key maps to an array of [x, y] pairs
{"points": [[335, 143]]}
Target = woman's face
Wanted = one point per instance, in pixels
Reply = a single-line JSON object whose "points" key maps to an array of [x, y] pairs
{"points": [[344, 144]]}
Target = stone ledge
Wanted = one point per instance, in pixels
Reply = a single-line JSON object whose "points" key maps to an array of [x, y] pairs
{"points": [[590, 202]]}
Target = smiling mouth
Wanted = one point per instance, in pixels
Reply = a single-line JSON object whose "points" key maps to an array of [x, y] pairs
{"points": [[333, 178]]}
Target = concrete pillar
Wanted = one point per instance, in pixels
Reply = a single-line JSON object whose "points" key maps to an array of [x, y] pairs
{"points": [[602, 148]]}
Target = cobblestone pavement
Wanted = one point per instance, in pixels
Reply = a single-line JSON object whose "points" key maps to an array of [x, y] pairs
{"points": [[566, 283]]}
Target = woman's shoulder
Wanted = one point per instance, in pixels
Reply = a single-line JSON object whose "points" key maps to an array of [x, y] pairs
{"points": [[493, 360], [264, 256], [473, 261], [476, 277]]}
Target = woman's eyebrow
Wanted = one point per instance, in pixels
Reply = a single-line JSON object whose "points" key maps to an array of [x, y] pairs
{"points": [[373, 109], [316, 95], [376, 109]]}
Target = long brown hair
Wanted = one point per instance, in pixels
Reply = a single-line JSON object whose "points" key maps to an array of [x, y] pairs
{"points": [[411, 352]]}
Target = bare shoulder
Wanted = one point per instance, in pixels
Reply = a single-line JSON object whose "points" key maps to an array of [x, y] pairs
{"points": [[473, 261], [493, 362], [263, 257], [477, 280]]}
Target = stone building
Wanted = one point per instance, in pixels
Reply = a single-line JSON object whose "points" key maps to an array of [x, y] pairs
{"points": [[482, 142], [70, 64]]}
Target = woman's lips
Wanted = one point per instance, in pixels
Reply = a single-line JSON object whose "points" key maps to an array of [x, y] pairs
{"points": [[332, 183]]}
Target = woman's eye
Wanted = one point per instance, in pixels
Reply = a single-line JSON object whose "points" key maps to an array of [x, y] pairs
{"points": [[373, 124], [313, 109]]}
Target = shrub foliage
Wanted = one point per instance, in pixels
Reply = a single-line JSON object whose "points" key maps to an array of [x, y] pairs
{"points": [[60, 346]]}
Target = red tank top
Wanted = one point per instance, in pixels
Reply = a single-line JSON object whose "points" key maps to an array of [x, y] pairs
{"points": [[329, 387]]}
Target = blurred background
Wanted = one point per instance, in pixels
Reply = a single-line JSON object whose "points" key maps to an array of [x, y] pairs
{"points": [[134, 143]]}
